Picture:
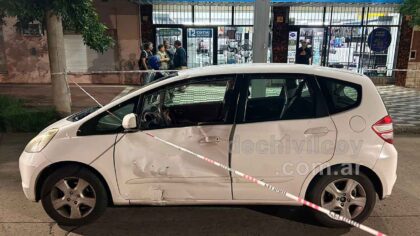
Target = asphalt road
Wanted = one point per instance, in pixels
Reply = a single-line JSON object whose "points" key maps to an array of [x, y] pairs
{"points": [[397, 215]]}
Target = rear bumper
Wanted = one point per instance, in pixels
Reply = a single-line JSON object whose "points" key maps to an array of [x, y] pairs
{"points": [[30, 165], [386, 168]]}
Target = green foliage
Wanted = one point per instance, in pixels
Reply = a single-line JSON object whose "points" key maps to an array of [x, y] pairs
{"points": [[78, 15], [412, 8], [14, 117]]}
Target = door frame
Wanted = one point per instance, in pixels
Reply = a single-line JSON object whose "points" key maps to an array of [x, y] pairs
{"points": [[324, 45]]}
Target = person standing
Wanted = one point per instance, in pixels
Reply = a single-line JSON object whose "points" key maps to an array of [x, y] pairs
{"points": [[169, 50], [303, 54], [180, 56], [145, 54], [164, 57]]}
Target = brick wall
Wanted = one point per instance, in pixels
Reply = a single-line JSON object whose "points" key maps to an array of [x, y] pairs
{"points": [[413, 75], [280, 37], [403, 51]]}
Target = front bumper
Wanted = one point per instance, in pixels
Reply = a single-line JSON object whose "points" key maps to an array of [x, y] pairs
{"points": [[386, 168], [30, 166]]}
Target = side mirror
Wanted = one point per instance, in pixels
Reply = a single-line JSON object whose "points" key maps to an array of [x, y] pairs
{"points": [[129, 121]]}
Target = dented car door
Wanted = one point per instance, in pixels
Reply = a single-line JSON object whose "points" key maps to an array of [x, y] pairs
{"points": [[196, 114]]}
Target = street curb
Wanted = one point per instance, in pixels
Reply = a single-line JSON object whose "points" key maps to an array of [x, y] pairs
{"points": [[406, 130]]}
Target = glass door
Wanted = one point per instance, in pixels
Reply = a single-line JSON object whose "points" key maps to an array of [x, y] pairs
{"points": [[234, 44], [199, 47], [314, 37]]}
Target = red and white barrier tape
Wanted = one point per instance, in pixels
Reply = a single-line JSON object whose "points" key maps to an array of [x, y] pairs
{"points": [[272, 188]]}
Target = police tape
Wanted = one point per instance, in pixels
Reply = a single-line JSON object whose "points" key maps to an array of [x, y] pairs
{"points": [[272, 188]]}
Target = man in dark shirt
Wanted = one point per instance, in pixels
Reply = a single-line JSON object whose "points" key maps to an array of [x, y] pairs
{"points": [[180, 56], [303, 54]]}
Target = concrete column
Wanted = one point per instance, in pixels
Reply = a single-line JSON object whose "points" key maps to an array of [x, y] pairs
{"points": [[260, 41]]}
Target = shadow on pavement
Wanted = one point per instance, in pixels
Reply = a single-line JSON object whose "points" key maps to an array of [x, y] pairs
{"points": [[206, 220]]}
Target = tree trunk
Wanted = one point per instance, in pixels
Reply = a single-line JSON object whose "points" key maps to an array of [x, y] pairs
{"points": [[60, 86]]}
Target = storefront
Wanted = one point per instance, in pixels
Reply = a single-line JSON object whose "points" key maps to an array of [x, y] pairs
{"points": [[338, 34], [211, 34]]}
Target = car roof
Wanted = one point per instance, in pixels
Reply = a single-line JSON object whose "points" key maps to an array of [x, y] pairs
{"points": [[266, 68]]}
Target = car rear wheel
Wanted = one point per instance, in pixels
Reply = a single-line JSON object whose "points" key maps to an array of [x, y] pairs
{"points": [[73, 195], [351, 196]]}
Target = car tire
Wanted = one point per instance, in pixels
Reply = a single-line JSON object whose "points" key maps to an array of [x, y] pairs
{"points": [[319, 195], [73, 196]]}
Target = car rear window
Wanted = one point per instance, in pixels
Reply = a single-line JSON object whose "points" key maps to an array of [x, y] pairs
{"points": [[340, 95]]}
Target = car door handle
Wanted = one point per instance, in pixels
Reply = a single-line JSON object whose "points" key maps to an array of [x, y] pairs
{"points": [[210, 139], [318, 131]]}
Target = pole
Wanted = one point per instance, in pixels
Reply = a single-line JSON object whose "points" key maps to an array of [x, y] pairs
{"points": [[260, 41], [56, 53]]}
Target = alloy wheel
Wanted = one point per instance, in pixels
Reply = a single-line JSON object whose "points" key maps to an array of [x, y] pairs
{"points": [[73, 197], [346, 197]]}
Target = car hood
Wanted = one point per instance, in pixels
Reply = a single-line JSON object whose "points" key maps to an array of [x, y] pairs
{"points": [[58, 124]]}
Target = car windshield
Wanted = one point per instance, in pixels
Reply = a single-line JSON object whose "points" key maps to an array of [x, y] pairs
{"points": [[81, 114]]}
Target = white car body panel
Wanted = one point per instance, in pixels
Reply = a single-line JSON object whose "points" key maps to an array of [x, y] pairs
{"points": [[155, 161], [161, 173]]}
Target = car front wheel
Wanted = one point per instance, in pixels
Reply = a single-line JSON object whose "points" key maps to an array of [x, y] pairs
{"points": [[73, 196], [351, 196]]}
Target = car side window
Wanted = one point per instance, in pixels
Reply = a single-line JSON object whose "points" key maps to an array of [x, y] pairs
{"points": [[109, 122], [340, 95], [197, 102], [280, 97]]}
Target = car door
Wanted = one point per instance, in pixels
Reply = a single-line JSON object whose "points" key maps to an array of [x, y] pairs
{"points": [[283, 132], [196, 114]]}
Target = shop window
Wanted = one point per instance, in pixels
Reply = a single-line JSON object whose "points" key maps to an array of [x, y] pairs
{"points": [[234, 45], [382, 16], [243, 15], [344, 47], [172, 14], [378, 63], [221, 15], [346, 16], [306, 15], [202, 15]]}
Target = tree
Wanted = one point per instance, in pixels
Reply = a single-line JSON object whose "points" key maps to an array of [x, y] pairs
{"points": [[77, 15], [412, 8]]}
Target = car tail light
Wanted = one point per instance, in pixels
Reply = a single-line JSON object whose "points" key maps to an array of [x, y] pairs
{"points": [[384, 129]]}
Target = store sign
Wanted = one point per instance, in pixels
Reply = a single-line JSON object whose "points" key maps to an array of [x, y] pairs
{"points": [[169, 32], [200, 33], [379, 39]]}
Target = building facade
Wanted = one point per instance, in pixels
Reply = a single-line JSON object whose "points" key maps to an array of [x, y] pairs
{"points": [[366, 36]]}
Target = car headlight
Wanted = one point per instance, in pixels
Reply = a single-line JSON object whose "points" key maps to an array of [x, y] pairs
{"points": [[39, 142]]}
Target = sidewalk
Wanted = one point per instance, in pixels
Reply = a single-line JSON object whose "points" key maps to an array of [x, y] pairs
{"points": [[41, 95], [403, 104]]}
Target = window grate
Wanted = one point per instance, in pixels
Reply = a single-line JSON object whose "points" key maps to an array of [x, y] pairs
{"points": [[172, 14]]}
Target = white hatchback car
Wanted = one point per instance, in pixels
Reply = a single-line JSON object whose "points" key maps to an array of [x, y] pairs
{"points": [[321, 134]]}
